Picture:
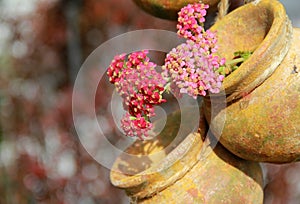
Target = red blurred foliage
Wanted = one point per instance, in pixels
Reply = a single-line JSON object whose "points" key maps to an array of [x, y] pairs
{"points": [[36, 115]]}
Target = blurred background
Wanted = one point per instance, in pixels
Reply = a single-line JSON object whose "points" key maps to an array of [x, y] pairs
{"points": [[43, 43]]}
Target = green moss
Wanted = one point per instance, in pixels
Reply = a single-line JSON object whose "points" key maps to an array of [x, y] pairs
{"points": [[268, 138]]}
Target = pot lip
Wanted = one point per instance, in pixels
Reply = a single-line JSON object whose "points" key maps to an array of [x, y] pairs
{"points": [[163, 165], [238, 83], [160, 175]]}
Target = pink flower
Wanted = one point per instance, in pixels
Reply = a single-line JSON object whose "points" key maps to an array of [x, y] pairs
{"points": [[191, 20], [136, 126], [141, 88], [114, 71], [193, 68], [137, 75]]}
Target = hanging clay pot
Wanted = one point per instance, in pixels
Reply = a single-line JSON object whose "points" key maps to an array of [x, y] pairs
{"points": [[157, 171], [168, 9], [263, 95]]}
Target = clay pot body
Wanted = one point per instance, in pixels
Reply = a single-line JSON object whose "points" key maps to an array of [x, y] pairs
{"points": [[186, 173], [263, 94]]}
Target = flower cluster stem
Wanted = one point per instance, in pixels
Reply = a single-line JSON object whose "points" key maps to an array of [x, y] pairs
{"points": [[233, 64], [235, 61]]}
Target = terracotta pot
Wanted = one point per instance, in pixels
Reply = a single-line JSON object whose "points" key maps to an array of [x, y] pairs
{"points": [[185, 173], [168, 9], [263, 104]]}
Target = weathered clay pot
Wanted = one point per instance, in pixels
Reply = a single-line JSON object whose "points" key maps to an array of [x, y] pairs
{"points": [[168, 9], [166, 173], [263, 94]]}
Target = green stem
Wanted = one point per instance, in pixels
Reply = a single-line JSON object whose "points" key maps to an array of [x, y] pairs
{"points": [[167, 87], [235, 61], [132, 118], [230, 66]]}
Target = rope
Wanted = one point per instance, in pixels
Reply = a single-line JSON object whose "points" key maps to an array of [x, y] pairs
{"points": [[247, 1], [223, 7]]}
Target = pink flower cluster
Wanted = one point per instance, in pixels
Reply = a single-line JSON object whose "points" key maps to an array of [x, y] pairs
{"points": [[192, 70], [141, 88], [135, 126], [191, 20], [193, 65]]}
